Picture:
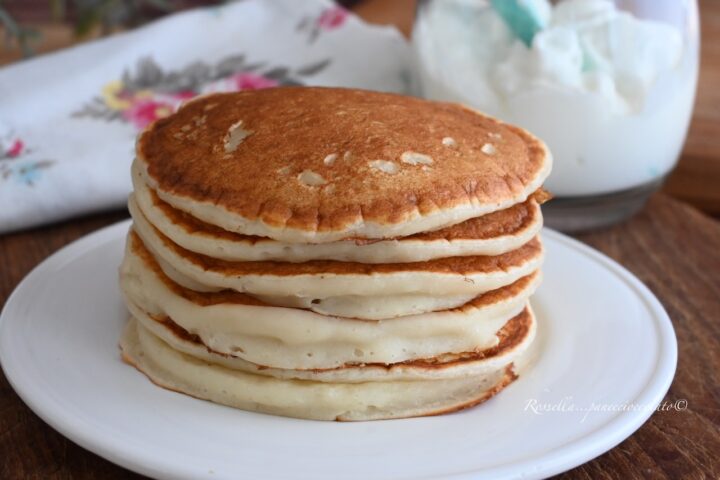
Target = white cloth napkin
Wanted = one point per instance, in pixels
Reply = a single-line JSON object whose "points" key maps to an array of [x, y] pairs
{"points": [[68, 121]]}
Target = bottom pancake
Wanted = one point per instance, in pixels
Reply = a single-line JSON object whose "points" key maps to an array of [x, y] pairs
{"points": [[306, 399]]}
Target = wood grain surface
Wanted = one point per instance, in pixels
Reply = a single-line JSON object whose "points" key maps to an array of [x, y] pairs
{"points": [[670, 246], [696, 179]]}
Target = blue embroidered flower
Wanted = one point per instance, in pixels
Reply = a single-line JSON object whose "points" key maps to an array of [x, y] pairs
{"points": [[29, 172]]}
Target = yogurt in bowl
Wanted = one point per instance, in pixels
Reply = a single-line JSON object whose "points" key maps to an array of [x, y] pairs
{"points": [[609, 89]]}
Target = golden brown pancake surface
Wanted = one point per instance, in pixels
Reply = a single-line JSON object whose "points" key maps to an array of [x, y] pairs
{"points": [[308, 160]]}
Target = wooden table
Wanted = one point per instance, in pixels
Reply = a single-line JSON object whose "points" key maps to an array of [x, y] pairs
{"points": [[670, 246]]}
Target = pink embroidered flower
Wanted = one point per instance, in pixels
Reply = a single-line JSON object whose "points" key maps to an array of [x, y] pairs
{"points": [[16, 148], [253, 81], [145, 111], [332, 18]]}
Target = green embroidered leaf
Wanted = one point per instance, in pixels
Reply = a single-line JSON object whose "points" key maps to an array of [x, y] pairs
{"points": [[314, 68], [229, 65], [278, 73]]}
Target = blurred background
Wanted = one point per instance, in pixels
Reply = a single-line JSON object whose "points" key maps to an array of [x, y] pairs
{"points": [[33, 27]]}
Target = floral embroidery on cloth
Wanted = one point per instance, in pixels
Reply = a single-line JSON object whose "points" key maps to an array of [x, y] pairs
{"points": [[152, 93], [329, 19], [12, 164]]}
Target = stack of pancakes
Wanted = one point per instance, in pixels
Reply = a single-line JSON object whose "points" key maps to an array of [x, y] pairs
{"points": [[333, 254]]}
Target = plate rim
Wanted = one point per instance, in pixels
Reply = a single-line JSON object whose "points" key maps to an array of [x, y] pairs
{"points": [[559, 459]]}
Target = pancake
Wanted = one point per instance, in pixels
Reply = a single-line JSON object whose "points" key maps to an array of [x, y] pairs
{"points": [[318, 165], [327, 278], [242, 326], [376, 307], [379, 307], [306, 399], [514, 340], [493, 234]]}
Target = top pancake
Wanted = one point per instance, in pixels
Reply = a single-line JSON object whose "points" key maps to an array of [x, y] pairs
{"points": [[315, 165]]}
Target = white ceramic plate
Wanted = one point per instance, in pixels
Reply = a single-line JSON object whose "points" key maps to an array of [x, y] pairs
{"points": [[607, 355]]}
